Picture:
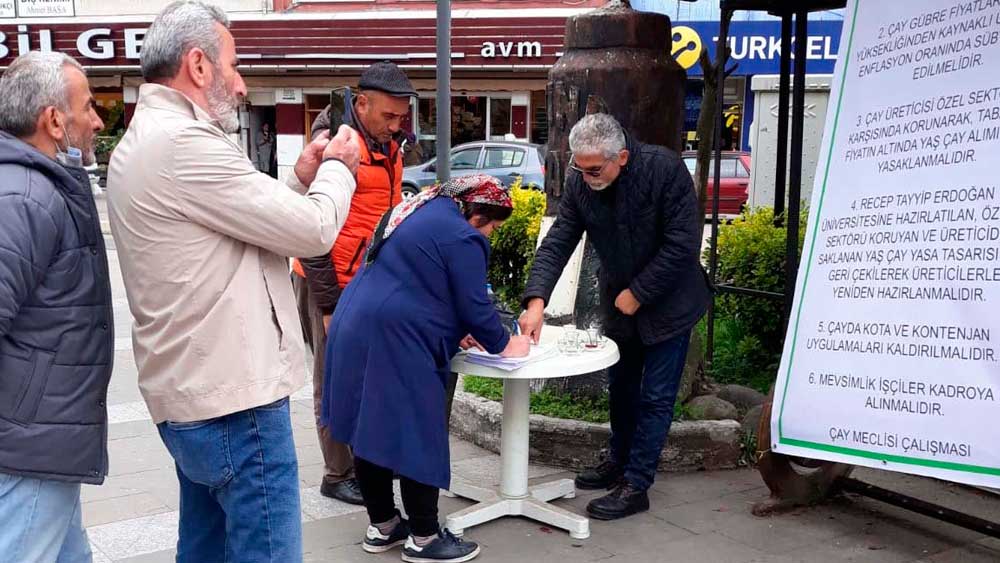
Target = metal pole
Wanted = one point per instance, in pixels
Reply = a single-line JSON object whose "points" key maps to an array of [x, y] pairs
{"points": [[713, 261], [921, 507], [780, 173], [443, 134], [795, 174], [443, 105]]}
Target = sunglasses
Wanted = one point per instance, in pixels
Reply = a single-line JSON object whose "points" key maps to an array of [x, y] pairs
{"points": [[592, 172]]}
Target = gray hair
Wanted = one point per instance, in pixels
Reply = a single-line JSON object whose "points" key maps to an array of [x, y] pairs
{"points": [[33, 82], [597, 133], [180, 27]]}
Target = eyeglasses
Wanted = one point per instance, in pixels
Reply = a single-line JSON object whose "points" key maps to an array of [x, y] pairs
{"points": [[592, 172]]}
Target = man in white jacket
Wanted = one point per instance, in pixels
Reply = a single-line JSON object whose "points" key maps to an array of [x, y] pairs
{"points": [[203, 239]]}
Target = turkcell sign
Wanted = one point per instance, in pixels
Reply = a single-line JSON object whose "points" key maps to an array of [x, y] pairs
{"points": [[756, 46]]}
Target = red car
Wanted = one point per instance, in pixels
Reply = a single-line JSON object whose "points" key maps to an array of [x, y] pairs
{"points": [[735, 181]]}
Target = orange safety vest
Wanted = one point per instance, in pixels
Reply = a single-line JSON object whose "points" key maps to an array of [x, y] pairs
{"points": [[380, 182]]}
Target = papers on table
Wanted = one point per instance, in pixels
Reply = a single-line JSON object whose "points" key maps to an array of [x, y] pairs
{"points": [[538, 352]]}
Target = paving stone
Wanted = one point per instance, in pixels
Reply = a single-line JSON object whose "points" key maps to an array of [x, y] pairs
{"points": [[683, 488], [168, 556], [136, 454], [133, 430], [515, 539], [121, 508], [319, 507], [119, 540], [161, 483], [98, 555], [311, 475], [708, 548], [486, 470], [646, 534], [133, 411], [320, 536], [462, 450]]}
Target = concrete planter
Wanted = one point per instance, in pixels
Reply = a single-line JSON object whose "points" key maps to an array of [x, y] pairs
{"points": [[573, 444]]}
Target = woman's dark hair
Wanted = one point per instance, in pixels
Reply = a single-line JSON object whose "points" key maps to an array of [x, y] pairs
{"points": [[491, 212]]}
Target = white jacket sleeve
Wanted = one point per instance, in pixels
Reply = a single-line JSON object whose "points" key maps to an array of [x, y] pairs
{"points": [[220, 189]]}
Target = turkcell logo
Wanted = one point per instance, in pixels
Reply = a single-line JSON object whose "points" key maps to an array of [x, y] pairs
{"points": [[686, 46]]}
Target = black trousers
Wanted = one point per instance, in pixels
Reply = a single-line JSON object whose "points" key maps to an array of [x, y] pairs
{"points": [[419, 500]]}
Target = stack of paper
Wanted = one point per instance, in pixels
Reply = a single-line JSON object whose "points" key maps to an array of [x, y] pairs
{"points": [[538, 352]]}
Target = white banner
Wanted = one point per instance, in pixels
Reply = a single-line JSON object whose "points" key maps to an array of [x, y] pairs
{"points": [[890, 360]]}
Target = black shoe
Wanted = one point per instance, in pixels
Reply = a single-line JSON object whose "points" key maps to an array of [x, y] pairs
{"points": [[604, 476], [445, 548], [377, 542], [346, 491], [624, 500]]}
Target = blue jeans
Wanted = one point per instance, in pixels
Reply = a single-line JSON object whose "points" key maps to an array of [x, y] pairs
{"points": [[642, 389], [40, 522], [239, 487]]}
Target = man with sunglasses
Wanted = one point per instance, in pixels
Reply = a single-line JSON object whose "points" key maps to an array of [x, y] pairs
{"points": [[637, 204]]}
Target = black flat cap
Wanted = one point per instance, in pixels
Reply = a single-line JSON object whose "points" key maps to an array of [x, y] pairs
{"points": [[387, 77]]}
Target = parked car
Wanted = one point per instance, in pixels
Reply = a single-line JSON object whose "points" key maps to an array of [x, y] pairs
{"points": [[735, 181], [506, 160]]}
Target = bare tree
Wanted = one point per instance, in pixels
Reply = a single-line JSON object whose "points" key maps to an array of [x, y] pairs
{"points": [[709, 109]]}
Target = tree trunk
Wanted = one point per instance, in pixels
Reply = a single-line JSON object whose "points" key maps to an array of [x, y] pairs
{"points": [[709, 115]]}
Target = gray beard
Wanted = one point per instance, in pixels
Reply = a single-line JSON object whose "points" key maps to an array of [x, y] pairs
{"points": [[223, 106], [87, 156]]}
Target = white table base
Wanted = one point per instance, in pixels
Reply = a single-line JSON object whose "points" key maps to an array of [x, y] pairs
{"points": [[515, 498]]}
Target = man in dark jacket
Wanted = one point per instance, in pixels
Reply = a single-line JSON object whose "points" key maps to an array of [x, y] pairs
{"points": [[637, 204], [56, 341]]}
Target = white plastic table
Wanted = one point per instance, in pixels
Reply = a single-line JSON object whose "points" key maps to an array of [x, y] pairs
{"points": [[515, 498]]}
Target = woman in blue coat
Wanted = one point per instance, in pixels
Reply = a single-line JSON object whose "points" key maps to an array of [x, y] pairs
{"points": [[421, 294]]}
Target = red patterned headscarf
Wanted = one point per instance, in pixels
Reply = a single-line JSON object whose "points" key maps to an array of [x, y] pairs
{"points": [[477, 188]]}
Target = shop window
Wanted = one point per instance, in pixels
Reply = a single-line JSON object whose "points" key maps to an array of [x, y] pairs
{"points": [[315, 104], [499, 118], [427, 117], [503, 158], [539, 118], [468, 119]]}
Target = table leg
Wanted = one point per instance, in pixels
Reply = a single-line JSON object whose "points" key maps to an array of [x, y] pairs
{"points": [[515, 498], [514, 438]]}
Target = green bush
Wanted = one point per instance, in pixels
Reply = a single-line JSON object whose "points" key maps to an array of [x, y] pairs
{"points": [[548, 403], [513, 245], [748, 332], [545, 402]]}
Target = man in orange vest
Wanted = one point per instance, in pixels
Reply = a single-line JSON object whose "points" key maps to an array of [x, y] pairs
{"points": [[377, 113]]}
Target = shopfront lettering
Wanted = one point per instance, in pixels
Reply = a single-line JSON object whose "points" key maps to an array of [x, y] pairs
{"points": [[97, 44], [507, 49], [766, 48]]}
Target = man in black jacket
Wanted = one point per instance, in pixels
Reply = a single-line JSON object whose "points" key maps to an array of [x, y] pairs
{"points": [[637, 204], [56, 340]]}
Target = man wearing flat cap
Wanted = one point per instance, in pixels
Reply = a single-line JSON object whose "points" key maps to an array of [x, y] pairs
{"points": [[376, 112]]}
